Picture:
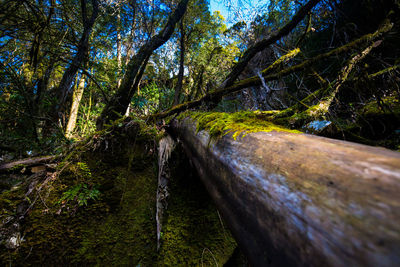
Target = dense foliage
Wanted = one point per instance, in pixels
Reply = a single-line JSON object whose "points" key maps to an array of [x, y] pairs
{"points": [[63, 61], [96, 83]]}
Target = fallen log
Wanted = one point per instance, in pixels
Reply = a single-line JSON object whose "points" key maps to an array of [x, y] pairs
{"points": [[301, 200], [28, 162], [216, 95]]}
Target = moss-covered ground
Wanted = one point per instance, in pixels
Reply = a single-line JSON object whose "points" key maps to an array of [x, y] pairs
{"points": [[117, 227], [194, 233]]}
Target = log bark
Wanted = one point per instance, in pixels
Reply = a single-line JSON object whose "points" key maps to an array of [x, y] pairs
{"points": [[301, 200], [165, 147], [29, 162]]}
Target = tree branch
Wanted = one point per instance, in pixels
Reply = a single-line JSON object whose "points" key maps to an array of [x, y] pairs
{"points": [[261, 45], [216, 95], [121, 99]]}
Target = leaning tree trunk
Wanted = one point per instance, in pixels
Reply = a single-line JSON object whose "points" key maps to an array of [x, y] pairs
{"points": [[302, 200], [79, 58], [118, 104]]}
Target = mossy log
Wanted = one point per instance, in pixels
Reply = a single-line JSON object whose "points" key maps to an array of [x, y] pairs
{"points": [[294, 199], [29, 162]]}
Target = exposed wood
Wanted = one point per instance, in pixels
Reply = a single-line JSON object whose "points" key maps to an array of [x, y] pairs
{"points": [[302, 200], [29, 162], [165, 147]]}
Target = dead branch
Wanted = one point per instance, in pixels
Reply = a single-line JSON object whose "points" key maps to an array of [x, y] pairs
{"points": [[261, 45], [215, 96], [29, 162]]}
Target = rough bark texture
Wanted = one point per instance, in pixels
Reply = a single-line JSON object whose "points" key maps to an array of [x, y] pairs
{"points": [[118, 104], [302, 200], [165, 147]]}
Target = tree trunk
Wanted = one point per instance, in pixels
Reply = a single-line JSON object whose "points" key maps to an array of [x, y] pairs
{"points": [[198, 82], [76, 100], [87, 115], [119, 44], [301, 200], [118, 104], [82, 50], [179, 85]]}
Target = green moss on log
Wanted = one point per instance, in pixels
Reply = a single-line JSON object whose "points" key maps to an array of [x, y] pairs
{"points": [[238, 123]]}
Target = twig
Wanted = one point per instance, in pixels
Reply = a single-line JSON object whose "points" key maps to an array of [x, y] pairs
{"points": [[222, 224], [212, 255]]}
